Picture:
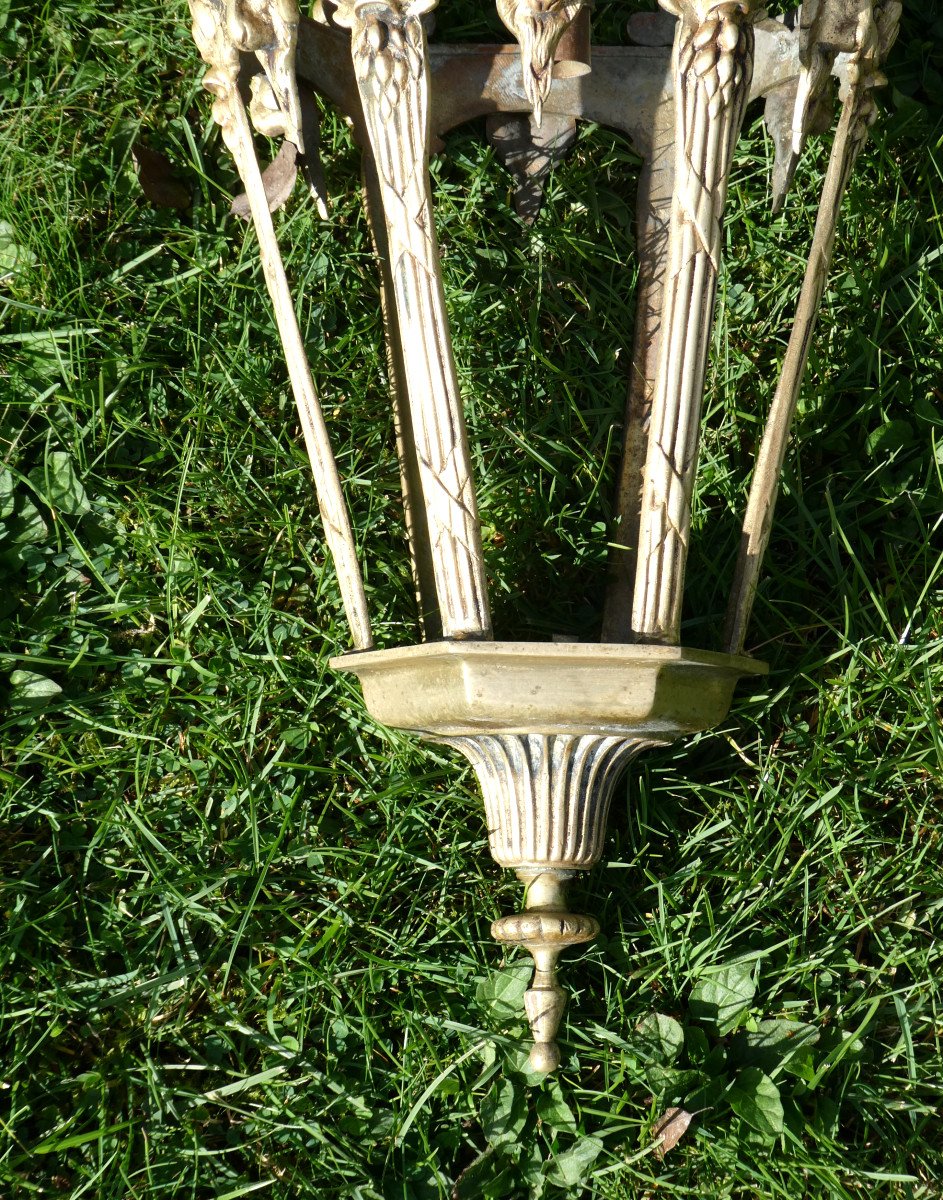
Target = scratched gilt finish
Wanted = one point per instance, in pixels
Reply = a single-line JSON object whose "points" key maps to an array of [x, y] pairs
{"points": [[546, 800], [548, 728], [547, 795], [713, 64]]}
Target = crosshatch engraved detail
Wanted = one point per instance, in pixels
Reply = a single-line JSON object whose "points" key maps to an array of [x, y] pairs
{"points": [[389, 55]]}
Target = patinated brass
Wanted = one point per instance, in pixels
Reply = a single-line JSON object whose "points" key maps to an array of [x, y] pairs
{"points": [[548, 727]]}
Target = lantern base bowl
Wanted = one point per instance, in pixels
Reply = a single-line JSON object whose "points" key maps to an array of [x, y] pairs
{"points": [[548, 728], [455, 688]]}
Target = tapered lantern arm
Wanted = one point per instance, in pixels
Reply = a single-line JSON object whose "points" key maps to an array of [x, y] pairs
{"points": [[388, 50], [874, 35], [712, 66], [272, 34]]}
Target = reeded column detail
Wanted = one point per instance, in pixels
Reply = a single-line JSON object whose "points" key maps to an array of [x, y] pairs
{"points": [[547, 796], [388, 47], [713, 65]]}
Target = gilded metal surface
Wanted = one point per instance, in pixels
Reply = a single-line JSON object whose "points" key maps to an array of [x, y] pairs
{"points": [[222, 30], [549, 730], [548, 727], [544, 928], [547, 795], [388, 48], [713, 65], [454, 688], [874, 35]]}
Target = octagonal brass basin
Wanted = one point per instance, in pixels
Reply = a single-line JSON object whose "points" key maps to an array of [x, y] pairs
{"points": [[451, 688]]}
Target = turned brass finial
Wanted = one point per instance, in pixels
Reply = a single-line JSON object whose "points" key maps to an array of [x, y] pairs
{"points": [[545, 928]]}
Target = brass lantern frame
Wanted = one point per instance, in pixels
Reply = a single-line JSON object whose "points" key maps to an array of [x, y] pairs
{"points": [[548, 727]]}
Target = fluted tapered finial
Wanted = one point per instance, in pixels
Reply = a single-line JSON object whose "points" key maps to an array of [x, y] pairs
{"points": [[545, 928]]}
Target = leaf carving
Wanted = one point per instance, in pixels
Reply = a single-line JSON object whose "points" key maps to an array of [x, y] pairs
{"points": [[389, 57], [713, 63], [278, 179], [538, 26]]}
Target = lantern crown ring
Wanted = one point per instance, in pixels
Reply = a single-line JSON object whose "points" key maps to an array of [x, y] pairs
{"points": [[548, 727]]}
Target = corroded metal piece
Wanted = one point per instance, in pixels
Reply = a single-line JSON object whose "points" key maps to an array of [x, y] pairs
{"points": [[548, 728], [623, 90]]}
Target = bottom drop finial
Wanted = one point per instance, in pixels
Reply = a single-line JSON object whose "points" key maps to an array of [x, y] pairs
{"points": [[545, 928]]}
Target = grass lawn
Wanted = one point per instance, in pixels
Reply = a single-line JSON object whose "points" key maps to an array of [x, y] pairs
{"points": [[245, 944]]}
